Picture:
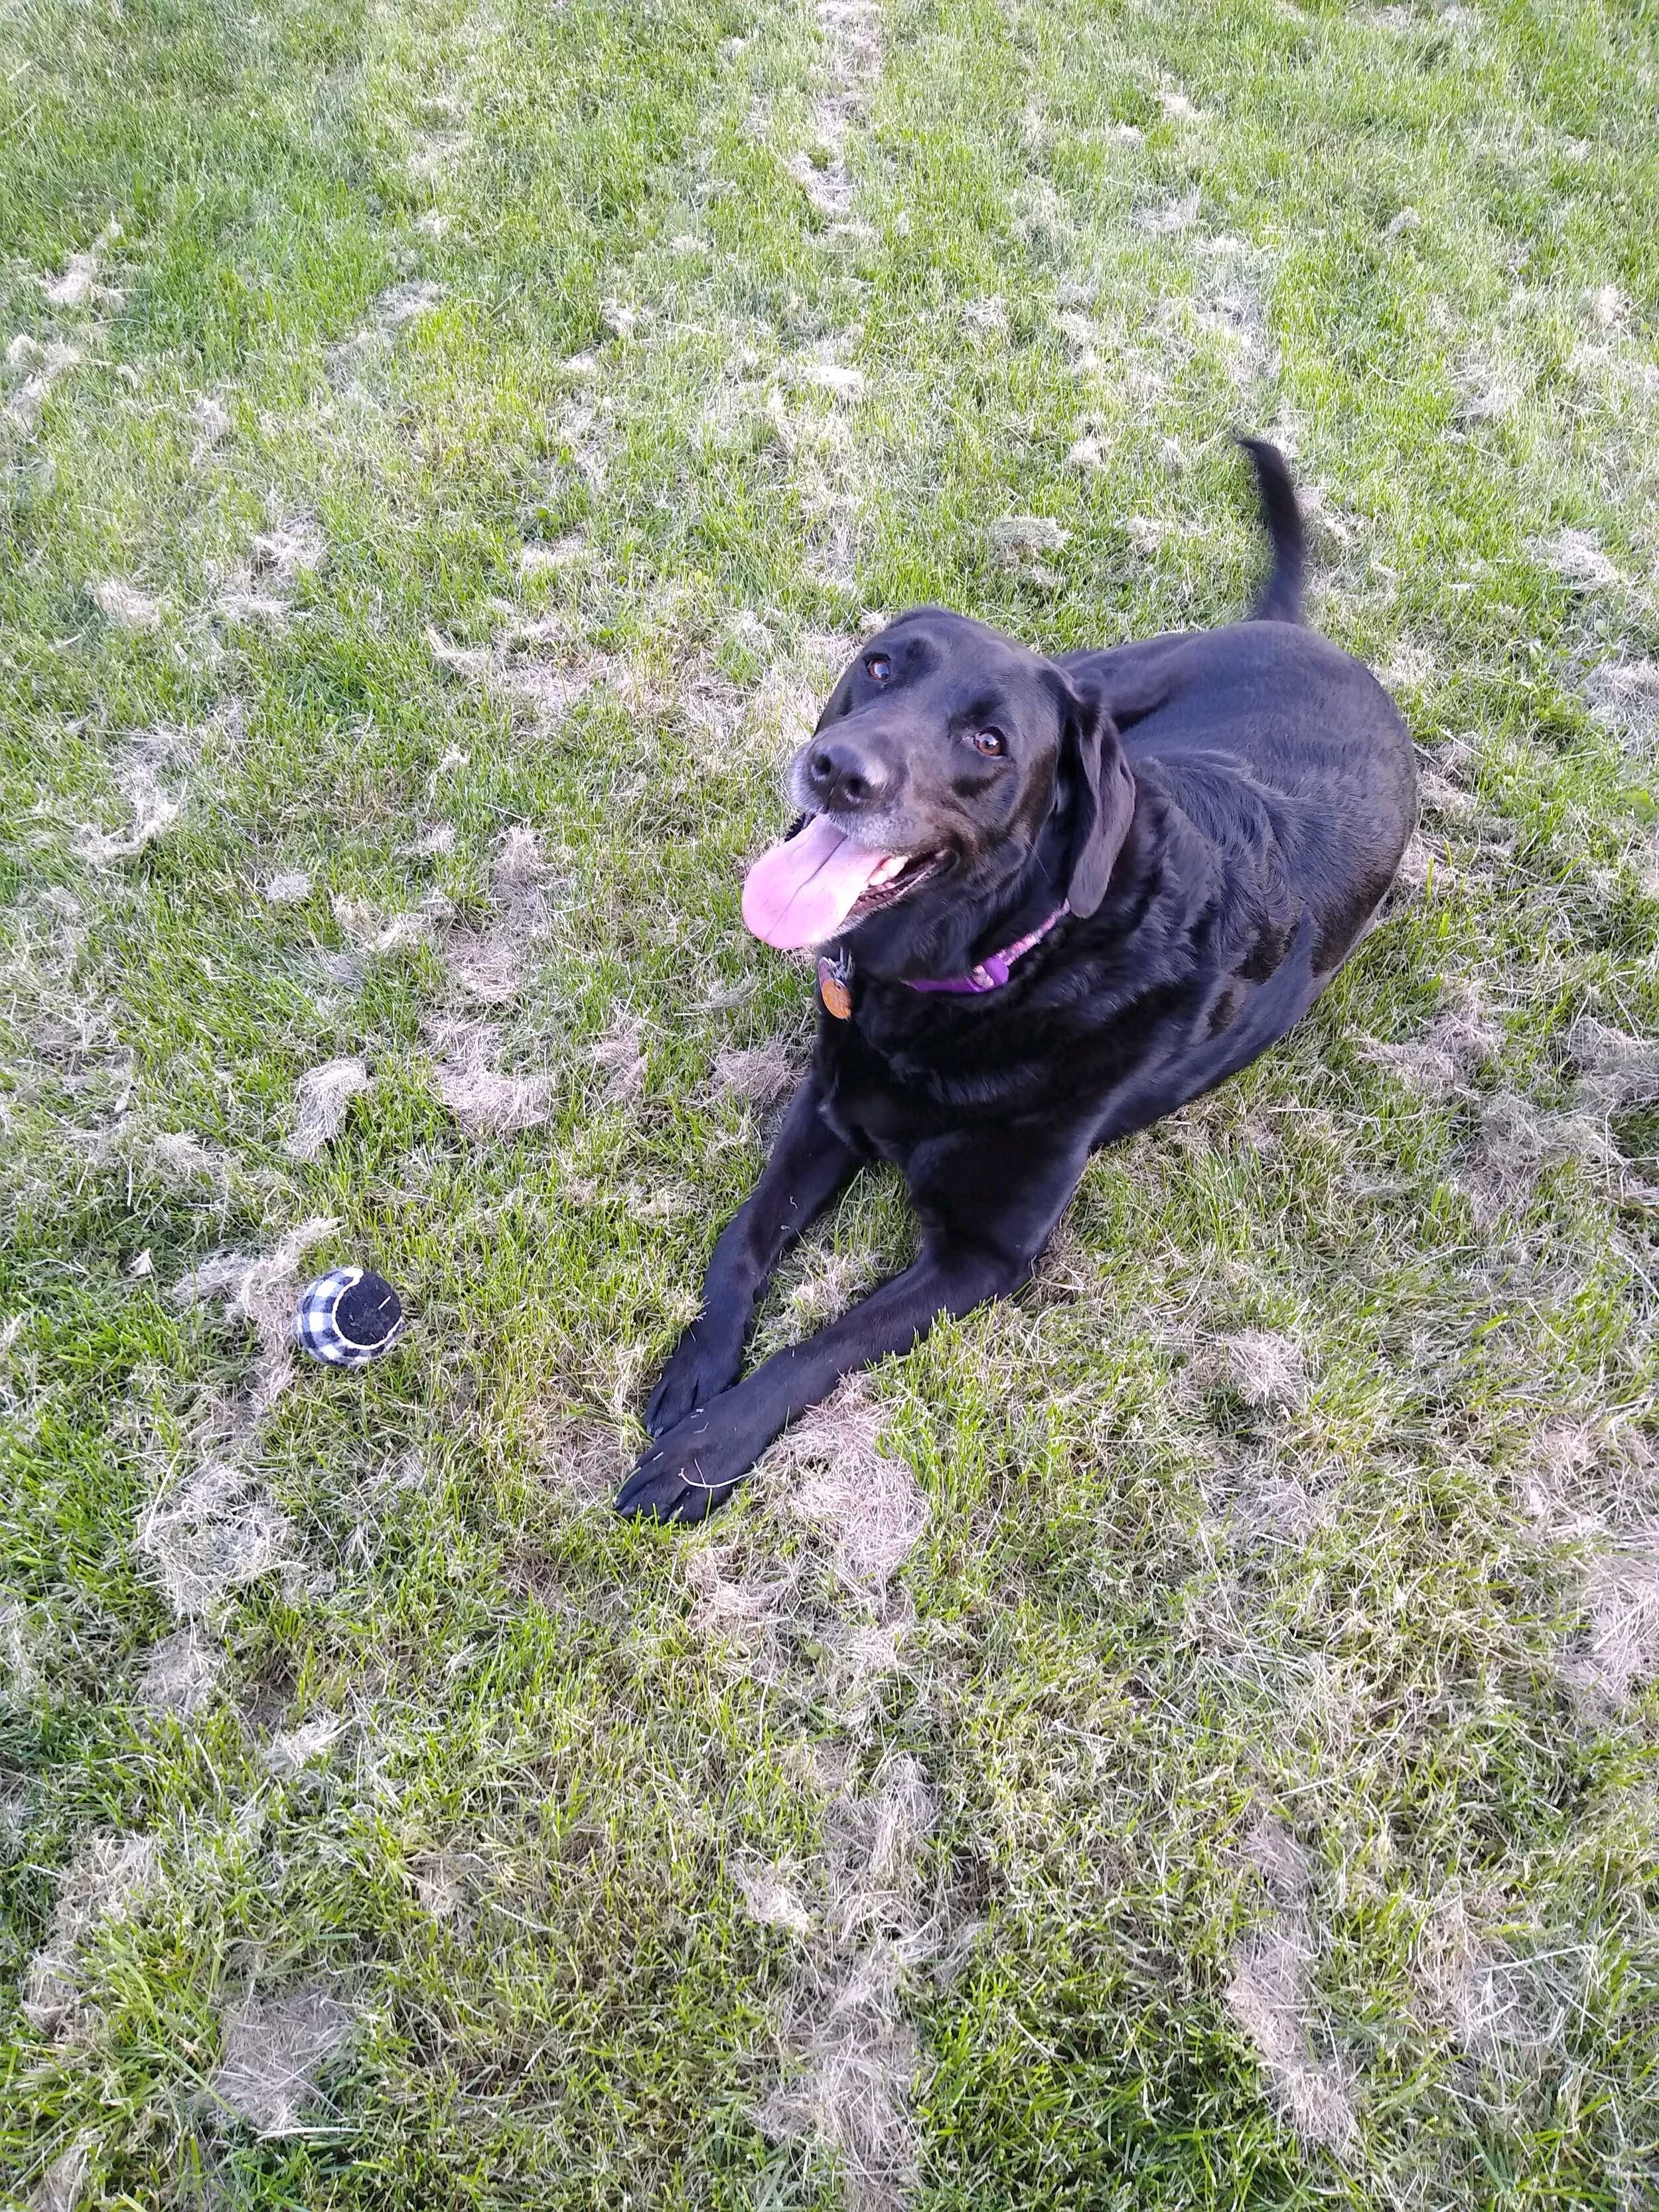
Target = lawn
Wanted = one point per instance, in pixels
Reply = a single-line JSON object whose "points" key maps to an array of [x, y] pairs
{"points": [[1184, 1738]]}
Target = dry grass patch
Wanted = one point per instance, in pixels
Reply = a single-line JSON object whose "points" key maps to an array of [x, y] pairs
{"points": [[108, 1879], [322, 1097], [275, 2050]]}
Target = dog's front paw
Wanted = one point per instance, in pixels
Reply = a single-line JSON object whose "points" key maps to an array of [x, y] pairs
{"points": [[692, 1470], [702, 1365]]}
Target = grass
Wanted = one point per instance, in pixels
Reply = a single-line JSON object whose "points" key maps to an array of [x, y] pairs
{"points": [[1242, 1789]]}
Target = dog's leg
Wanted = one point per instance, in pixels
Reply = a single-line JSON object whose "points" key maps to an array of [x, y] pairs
{"points": [[986, 1217], [808, 1165]]}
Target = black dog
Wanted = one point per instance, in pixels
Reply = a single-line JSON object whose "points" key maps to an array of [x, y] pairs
{"points": [[1058, 898]]}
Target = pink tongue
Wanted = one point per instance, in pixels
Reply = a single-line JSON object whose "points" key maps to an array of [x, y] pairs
{"points": [[802, 890]]}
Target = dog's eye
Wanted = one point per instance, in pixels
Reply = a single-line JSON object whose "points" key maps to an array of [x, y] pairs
{"points": [[990, 743], [878, 668]]}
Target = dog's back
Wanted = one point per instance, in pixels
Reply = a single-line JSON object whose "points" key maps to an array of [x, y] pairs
{"points": [[1263, 728]]}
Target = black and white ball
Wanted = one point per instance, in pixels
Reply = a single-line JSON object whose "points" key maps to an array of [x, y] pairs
{"points": [[348, 1317]]}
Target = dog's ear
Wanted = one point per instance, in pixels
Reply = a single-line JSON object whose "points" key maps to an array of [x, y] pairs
{"points": [[1101, 792]]}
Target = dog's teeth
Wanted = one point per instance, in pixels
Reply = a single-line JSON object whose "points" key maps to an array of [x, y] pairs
{"points": [[889, 868]]}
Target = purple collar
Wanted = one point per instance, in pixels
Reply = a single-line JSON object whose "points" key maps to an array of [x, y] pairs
{"points": [[991, 972]]}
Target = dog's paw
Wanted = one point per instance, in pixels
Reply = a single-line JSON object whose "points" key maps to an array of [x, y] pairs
{"points": [[684, 1478], [699, 1369]]}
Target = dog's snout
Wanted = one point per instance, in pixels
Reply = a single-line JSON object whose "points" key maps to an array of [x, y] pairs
{"points": [[844, 777]]}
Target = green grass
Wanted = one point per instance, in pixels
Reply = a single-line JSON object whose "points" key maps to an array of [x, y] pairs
{"points": [[1237, 1748]]}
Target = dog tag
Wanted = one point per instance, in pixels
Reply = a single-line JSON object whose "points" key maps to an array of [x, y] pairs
{"points": [[833, 989]]}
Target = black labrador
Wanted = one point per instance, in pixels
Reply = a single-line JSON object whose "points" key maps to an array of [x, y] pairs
{"points": [[1057, 898]]}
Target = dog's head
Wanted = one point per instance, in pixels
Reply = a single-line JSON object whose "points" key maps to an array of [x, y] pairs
{"points": [[949, 766]]}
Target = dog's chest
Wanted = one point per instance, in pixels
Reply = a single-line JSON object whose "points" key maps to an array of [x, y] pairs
{"points": [[896, 1089]]}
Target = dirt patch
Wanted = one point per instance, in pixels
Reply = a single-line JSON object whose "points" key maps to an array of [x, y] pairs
{"points": [[862, 1659], [1410, 666], [441, 1880], [859, 1914], [1273, 1503], [490, 964], [1282, 1862], [1170, 217], [832, 377], [1230, 307], [78, 285], [370, 931], [582, 1458], [830, 1283], [1500, 2003], [213, 424], [1487, 393], [545, 560], [459, 660], [292, 549], [400, 305], [852, 2097], [620, 1054], [901, 1816], [275, 2050], [277, 559], [180, 1157], [17, 1652], [1553, 1480], [292, 1750], [735, 1601], [852, 31], [1019, 542], [1491, 2001], [1270, 1992]]}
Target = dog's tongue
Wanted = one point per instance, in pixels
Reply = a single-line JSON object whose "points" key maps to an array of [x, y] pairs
{"points": [[802, 890]]}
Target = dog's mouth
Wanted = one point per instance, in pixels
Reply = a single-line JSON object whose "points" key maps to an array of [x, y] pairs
{"points": [[808, 888], [899, 874]]}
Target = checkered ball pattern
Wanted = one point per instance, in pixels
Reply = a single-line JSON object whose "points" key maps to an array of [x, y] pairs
{"points": [[317, 1326]]}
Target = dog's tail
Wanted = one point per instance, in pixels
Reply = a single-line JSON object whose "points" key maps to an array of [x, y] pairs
{"points": [[1281, 596]]}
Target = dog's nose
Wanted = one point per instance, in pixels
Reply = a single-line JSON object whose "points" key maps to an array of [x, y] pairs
{"points": [[844, 777]]}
